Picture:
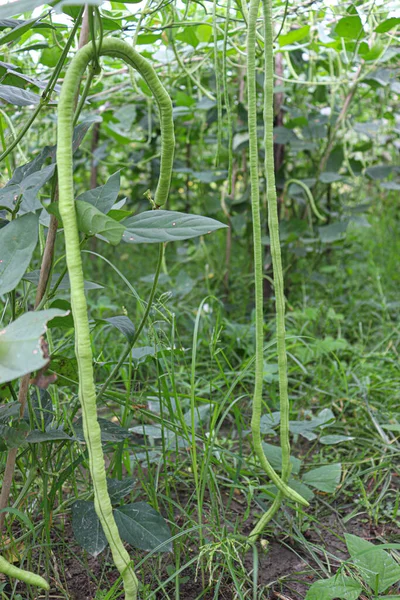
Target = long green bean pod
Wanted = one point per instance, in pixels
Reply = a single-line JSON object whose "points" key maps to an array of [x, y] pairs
{"points": [[87, 394], [25, 576], [281, 483]]}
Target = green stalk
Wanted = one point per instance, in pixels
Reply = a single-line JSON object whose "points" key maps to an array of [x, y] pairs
{"points": [[281, 483], [87, 392]]}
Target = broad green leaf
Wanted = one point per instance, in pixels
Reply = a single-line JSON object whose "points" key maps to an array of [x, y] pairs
{"points": [[28, 187], [11, 409], [110, 432], [350, 27], [379, 171], [203, 33], [340, 586], [87, 528], [92, 222], [274, 456], [294, 36], [324, 479], [20, 348], [118, 489], [18, 96], [104, 196], [376, 566], [18, 240], [330, 177], [387, 25], [124, 325], [157, 226], [143, 527], [147, 38], [140, 354], [333, 233], [188, 36]]}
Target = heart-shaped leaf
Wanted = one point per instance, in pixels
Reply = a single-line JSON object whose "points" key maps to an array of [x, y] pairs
{"points": [[143, 527], [157, 226], [18, 240]]}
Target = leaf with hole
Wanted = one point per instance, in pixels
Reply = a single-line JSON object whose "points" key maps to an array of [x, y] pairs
{"points": [[87, 528], [20, 344], [157, 226], [18, 240], [143, 527]]}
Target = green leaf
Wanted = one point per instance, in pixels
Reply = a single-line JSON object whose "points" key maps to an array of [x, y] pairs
{"points": [[28, 187], [378, 569], [203, 33], [340, 586], [387, 25], [306, 427], [110, 432], [18, 96], [330, 177], [118, 489], [52, 435], [274, 455], [92, 222], [294, 36], [324, 479], [333, 233], [379, 171], [350, 27], [124, 325], [335, 439], [143, 527], [17, 31], [147, 38], [87, 528], [33, 277], [269, 422], [157, 226], [18, 240], [13, 437], [20, 347], [104, 196]]}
